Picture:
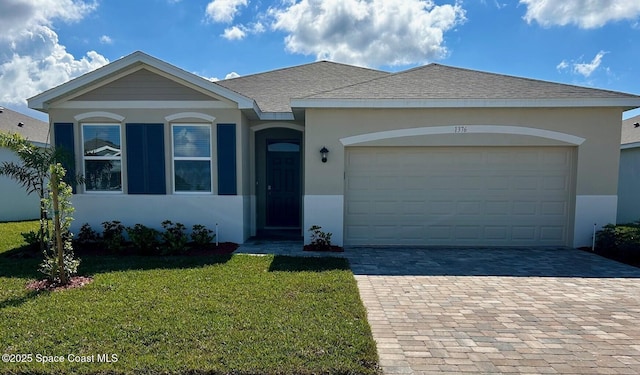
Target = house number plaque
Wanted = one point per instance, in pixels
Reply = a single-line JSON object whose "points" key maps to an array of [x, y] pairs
{"points": [[459, 129]]}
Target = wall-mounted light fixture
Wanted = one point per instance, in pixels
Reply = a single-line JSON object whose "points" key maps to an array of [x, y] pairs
{"points": [[323, 153], [636, 125], [20, 124]]}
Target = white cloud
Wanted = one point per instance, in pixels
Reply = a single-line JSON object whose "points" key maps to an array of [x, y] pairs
{"points": [[31, 58], [224, 10], [587, 14], [228, 76], [234, 33], [239, 32], [587, 68], [106, 39], [582, 68], [232, 75], [368, 32]]}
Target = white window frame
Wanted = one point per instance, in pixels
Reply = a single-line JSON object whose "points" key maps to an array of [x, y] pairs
{"points": [[191, 158], [118, 158]]}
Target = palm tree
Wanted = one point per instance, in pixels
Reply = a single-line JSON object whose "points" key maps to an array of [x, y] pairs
{"points": [[33, 172]]}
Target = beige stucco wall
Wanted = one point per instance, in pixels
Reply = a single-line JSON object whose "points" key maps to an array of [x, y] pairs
{"points": [[597, 164]]}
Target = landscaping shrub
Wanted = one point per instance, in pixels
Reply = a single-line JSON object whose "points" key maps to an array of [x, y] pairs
{"points": [[619, 241], [112, 236], [87, 236], [144, 239], [32, 238], [201, 236], [174, 238]]}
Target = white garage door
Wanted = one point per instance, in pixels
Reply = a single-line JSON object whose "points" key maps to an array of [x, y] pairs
{"points": [[494, 196]]}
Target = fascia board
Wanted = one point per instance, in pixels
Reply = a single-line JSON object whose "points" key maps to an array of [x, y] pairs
{"points": [[629, 103]]}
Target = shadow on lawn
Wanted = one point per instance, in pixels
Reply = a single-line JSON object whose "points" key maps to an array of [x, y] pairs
{"points": [[283, 263], [14, 302], [27, 268]]}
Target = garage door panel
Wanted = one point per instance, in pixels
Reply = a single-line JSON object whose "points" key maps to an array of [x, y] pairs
{"points": [[453, 196]]}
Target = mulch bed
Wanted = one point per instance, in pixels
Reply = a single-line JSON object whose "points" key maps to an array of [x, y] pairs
{"points": [[223, 248], [75, 282]]}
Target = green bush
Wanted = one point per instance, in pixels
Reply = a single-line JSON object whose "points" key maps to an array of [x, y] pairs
{"points": [[320, 241], [144, 239], [112, 236], [174, 238], [201, 236], [87, 236], [32, 238], [620, 241]]}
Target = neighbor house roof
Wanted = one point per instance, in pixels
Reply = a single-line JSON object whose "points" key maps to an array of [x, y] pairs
{"points": [[631, 132], [273, 90], [436, 85], [34, 130]]}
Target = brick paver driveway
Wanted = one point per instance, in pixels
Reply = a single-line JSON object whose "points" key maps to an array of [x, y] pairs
{"points": [[536, 311]]}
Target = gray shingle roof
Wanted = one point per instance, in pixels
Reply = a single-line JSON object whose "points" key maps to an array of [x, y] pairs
{"points": [[630, 133], [435, 81], [33, 129], [273, 90]]}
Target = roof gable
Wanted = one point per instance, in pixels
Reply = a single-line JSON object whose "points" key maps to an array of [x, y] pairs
{"points": [[132, 62], [142, 84], [273, 90]]}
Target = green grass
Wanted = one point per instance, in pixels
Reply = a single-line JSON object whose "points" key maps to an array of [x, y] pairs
{"points": [[236, 314], [10, 237]]}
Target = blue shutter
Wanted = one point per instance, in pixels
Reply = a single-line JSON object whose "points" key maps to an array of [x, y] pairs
{"points": [[64, 142], [145, 159], [226, 159]]}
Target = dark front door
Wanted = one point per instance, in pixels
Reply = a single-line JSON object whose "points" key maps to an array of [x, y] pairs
{"points": [[283, 184]]}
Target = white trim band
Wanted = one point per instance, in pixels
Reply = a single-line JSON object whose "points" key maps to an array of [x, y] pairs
{"points": [[181, 115], [86, 115], [461, 130]]}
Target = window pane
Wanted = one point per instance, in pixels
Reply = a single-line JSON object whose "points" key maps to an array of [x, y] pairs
{"points": [[193, 175], [101, 140], [103, 175], [191, 141]]}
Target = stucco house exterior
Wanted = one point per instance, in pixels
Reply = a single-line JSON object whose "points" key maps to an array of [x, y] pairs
{"points": [[15, 204], [629, 182], [434, 155]]}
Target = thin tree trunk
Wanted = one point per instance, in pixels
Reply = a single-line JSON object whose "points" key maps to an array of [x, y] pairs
{"points": [[43, 218], [57, 229]]}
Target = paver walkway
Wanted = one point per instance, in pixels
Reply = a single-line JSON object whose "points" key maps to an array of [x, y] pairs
{"points": [[509, 311]]}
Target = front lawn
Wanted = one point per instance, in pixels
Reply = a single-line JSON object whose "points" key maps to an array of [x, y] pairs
{"points": [[236, 314]]}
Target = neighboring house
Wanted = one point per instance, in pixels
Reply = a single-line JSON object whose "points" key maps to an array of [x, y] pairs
{"points": [[434, 155], [629, 181], [15, 204]]}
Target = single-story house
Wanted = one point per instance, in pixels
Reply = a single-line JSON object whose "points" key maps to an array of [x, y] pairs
{"points": [[629, 182], [15, 204], [434, 155]]}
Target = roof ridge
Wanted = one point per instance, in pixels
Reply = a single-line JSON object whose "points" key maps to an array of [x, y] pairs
{"points": [[286, 68]]}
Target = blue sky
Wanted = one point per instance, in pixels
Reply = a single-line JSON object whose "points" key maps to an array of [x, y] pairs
{"points": [[582, 42]]}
